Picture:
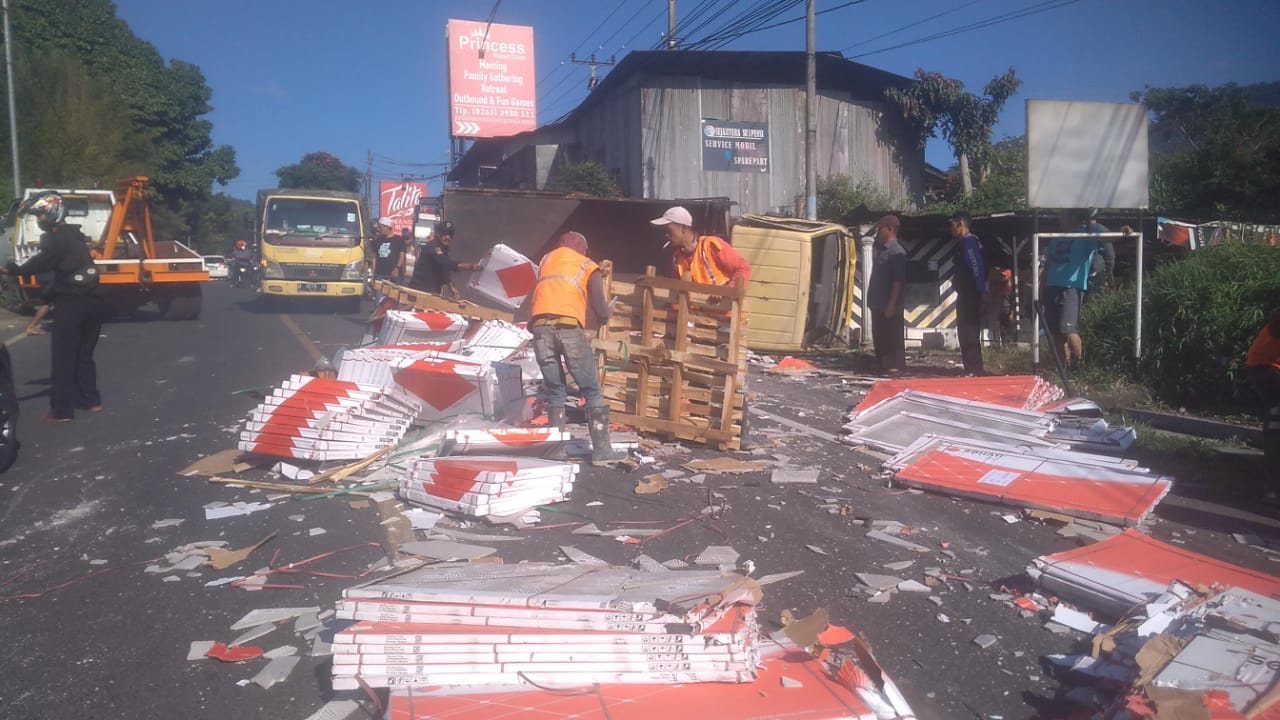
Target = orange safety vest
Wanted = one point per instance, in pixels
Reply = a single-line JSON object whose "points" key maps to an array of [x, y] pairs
{"points": [[700, 264], [562, 285], [1265, 351]]}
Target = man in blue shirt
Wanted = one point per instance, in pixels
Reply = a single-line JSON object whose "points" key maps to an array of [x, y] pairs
{"points": [[969, 280], [1068, 262]]}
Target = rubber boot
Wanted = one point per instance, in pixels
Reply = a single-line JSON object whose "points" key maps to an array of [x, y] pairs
{"points": [[602, 452], [555, 421]]}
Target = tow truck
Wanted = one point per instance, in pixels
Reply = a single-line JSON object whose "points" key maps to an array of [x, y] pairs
{"points": [[134, 267]]}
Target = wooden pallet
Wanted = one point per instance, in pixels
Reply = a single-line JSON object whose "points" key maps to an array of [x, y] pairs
{"points": [[674, 358], [419, 300]]}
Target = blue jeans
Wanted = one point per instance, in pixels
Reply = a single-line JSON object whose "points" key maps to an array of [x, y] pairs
{"points": [[550, 345]]}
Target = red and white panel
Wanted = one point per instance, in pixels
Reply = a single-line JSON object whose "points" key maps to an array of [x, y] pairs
{"points": [[505, 276]]}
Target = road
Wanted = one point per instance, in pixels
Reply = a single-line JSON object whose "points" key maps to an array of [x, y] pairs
{"points": [[80, 504]]}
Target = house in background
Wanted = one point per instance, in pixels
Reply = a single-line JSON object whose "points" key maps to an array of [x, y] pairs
{"points": [[683, 124]]}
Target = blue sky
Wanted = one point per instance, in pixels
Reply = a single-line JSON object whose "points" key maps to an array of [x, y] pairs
{"points": [[296, 76]]}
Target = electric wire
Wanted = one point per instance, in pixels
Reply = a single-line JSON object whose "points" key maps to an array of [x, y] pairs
{"points": [[910, 25], [1036, 9]]}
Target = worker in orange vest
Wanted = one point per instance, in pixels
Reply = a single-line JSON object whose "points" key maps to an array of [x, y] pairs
{"points": [[568, 282], [707, 258]]}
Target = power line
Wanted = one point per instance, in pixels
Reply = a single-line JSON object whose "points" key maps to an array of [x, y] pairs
{"points": [[750, 19], [910, 25], [1045, 6], [725, 39], [565, 78]]}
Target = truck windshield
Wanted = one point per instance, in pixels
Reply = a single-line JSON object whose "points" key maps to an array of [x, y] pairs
{"points": [[312, 221]]}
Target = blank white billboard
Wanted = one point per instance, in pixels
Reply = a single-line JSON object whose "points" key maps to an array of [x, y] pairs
{"points": [[1086, 154]]}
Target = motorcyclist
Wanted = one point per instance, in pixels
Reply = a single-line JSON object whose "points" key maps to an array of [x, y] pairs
{"points": [[241, 261]]}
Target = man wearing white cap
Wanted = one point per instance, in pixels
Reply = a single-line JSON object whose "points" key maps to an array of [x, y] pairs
{"points": [[388, 252], [707, 258]]}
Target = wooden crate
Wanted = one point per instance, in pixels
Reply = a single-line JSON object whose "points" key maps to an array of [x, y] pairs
{"points": [[674, 359], [419, 300]]}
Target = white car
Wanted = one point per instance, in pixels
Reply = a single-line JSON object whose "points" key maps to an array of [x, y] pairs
{"points": [[217, 266]]}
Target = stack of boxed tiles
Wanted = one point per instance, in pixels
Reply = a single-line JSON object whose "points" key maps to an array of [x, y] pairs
{"points": [[452, 385], [407, 326], [373, 365], [484, 485], [494, 340], [546, 626], [315, 419], [505, 276], [1011, 440]]}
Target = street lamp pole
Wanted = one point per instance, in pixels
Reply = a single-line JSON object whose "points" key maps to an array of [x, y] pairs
{"points": [[13, 113]]}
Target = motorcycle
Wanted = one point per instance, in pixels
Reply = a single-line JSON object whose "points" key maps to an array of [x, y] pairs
{"points": [[241, 275]]}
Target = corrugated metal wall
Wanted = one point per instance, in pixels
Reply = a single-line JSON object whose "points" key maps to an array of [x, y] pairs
{"points": [[851, 141]]}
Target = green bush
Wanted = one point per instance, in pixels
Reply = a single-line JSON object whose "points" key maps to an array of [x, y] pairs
{"points": [[1200, 316]]}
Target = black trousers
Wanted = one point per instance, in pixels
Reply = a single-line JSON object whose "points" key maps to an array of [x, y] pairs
{"points": [[77, 322], [887, 335], [969, 330]]}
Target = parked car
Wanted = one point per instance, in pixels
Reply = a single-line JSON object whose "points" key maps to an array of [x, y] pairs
{"points": [[8, 412], [217, 266]]}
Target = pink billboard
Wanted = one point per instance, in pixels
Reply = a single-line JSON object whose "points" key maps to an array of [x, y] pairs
{"points": [[399, 201], [491, 80]]}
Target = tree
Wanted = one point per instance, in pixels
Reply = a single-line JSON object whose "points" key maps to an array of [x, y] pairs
{"points": [[1005, 185], [934, 104], [839, 195], [96, 103], [586, 177], [319, 171], [1216, 152]]}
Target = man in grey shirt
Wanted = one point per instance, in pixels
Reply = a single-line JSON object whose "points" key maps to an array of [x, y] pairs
{"points": [[884, 296]]}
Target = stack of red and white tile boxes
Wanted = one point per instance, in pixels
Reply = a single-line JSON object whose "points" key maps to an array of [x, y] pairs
{"points": [[546, 625]]}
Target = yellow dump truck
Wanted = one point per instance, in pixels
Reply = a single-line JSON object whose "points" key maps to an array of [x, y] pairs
{"points": [[802, 281], [312, 245]]}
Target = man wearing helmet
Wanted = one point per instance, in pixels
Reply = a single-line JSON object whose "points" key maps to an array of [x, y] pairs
{"points": [[78, 308], [241, 261]]}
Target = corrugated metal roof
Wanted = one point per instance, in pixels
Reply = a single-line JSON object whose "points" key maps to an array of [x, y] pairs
{"points": [[765, 67]]}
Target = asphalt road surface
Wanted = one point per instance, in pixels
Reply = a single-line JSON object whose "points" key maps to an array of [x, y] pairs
{"points": [[79, 505]]}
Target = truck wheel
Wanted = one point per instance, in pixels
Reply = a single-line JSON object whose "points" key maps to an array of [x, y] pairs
{"points": [[177, 308], [194, 302]]}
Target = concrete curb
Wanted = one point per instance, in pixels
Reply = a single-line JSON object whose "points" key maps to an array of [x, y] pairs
{"points": [[1199, 427]]}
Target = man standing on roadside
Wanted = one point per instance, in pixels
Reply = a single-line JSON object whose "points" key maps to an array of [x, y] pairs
{"points": [[432, 269], [388, 253], [1068, 262], [884, 296], [970, 283], [708, 259], [78, 307], [568, 283]]}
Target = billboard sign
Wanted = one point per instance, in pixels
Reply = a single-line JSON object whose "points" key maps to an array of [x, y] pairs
{"points": [[491, 79], [399, 201], [1086, 154], [735, 146]]}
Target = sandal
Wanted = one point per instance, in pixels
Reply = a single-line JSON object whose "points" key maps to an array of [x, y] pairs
{"points": [[51, 418], [36, 331]]}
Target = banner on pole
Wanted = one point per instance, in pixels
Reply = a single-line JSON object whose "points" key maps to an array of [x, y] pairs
{"points": [[399, 201], [492, 89]]}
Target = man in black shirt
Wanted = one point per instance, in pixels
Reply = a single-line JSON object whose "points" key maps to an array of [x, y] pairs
{"points": [[388, 253], [78, 307], [433, 266]]}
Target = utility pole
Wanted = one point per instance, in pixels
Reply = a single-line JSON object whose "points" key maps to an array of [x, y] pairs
{"points": [[671, 24], [810, 117], [368, 179], [13, 112], [593, 80]]}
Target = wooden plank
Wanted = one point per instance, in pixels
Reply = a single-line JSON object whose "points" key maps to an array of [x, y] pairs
{"points": [[688, 286], [419, 300]]}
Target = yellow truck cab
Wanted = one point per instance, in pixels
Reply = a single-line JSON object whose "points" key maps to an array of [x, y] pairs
{"points": [[312, 244], [802, 281]]}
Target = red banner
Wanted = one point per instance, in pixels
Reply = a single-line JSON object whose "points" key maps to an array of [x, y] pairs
{"points": [[399, 201], [491, 79]]}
